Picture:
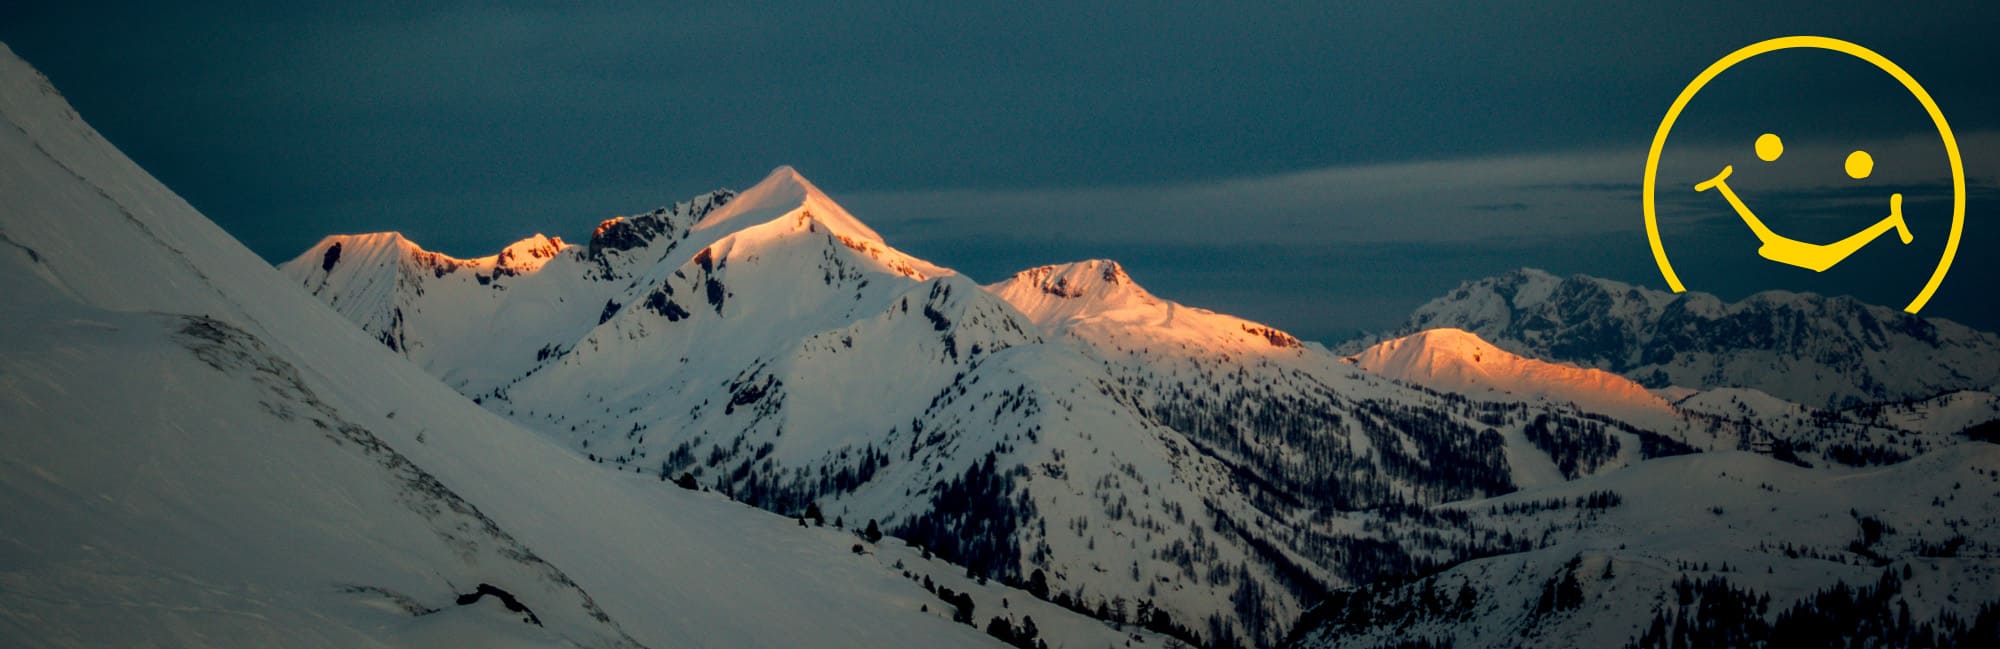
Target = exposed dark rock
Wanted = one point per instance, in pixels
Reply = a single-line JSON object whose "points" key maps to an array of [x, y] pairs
{"points": [[332, 257], [505, 598]]}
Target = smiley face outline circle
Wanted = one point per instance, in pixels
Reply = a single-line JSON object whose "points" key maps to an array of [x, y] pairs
{"points": [[1812, 42]]}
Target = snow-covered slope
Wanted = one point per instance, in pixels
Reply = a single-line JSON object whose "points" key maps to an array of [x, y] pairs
{"points": [[477, 322], [1096, 297], [1950, 412], [1821, 351], [200, 454], [1712, 550], [1455, 360]]}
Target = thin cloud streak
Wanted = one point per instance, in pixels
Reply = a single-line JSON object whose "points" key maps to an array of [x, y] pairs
{"points": [[1490, 199]]}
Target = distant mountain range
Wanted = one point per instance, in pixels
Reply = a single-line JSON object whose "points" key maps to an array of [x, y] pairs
{"points": [[1824, 351]]}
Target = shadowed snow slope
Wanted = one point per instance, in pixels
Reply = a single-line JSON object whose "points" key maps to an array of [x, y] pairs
{"points": [[200, 454]]}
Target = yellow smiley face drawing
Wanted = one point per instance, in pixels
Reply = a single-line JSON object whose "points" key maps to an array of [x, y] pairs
{"points": [[1769, 147], [1786, 250]]}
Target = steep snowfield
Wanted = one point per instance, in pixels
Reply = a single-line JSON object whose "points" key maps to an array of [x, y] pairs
{"points": [[1820, 351], [200, 454], [1455, 360]]}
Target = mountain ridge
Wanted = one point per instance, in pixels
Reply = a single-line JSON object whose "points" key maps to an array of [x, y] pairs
{"points": [[798, 363], [1456, 360], [1827, 351]]}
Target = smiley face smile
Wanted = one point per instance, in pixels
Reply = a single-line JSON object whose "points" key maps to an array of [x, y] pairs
{"points": [[1789, 251]]}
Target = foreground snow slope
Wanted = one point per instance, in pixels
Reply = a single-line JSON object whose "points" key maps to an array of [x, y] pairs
{"points": [[201, 454]]}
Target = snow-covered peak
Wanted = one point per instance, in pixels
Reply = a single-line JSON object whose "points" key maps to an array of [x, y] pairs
{"points": [[368, 250], [1456, 360], [530, 254], [1095, 279], [385, 249], [781, 193], [1059, 293], [1097, 299]]}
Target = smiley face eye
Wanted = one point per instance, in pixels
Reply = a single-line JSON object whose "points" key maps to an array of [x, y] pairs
{"points": [[1769, 147], [1860, 164]]}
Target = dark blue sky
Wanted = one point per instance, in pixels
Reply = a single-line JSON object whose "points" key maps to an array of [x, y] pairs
{"points": [[1322, 168]]}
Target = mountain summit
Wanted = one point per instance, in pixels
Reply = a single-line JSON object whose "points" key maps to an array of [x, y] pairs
{"points": [[1097, 297], [1456, 360], [782, 192]]}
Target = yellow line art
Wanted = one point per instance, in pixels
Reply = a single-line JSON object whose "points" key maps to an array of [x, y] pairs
{"points": [[1811, 256], [1783, 251]]}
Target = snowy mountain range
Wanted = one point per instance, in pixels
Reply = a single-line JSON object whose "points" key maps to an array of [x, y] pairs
{"points": [[1823, 351], [1064, 422], [552, 446], [1215, 473]]}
